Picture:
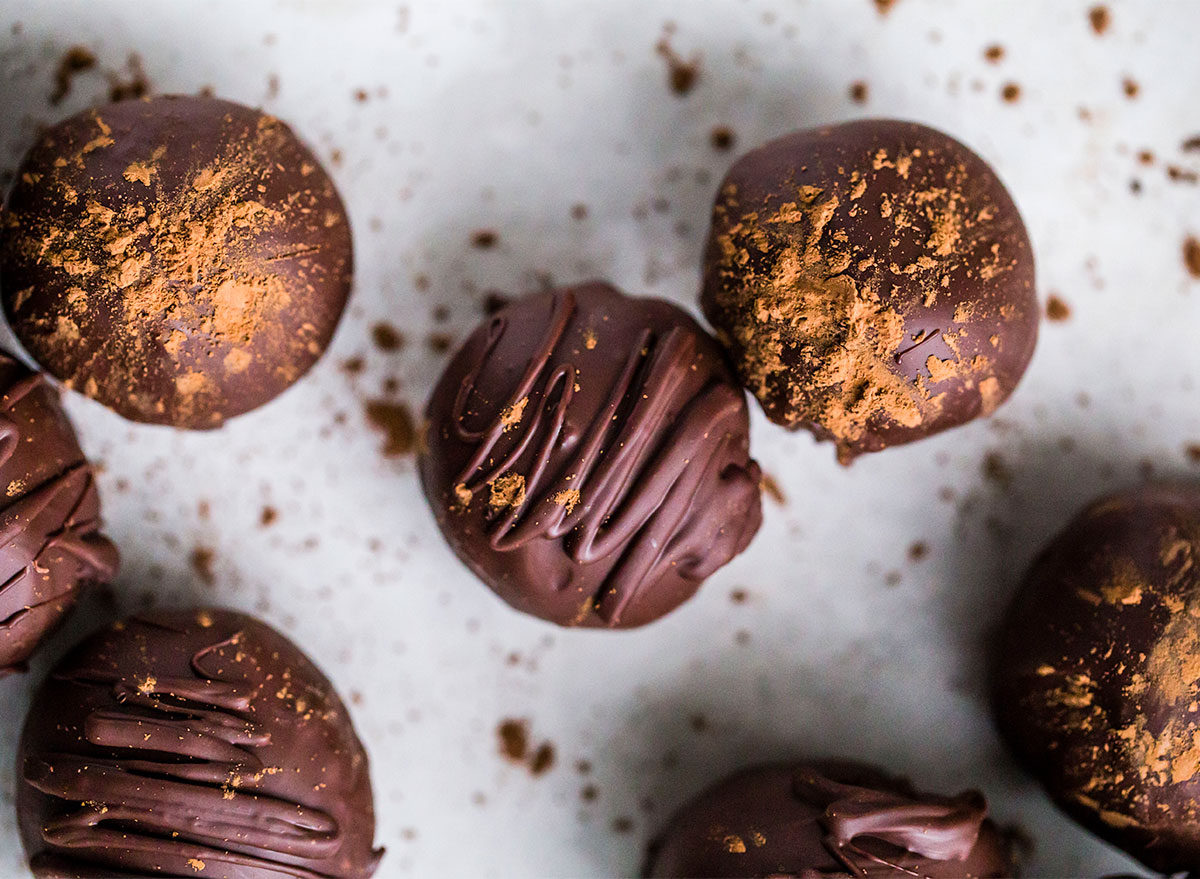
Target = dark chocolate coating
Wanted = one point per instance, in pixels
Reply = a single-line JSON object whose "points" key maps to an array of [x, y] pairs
{"points": [[588, 457], [50, 541], [182, 260], [828, 818], [873, 282], [193, 743], [1097, 675]]}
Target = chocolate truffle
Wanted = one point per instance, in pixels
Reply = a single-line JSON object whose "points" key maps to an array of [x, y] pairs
{"points": [[182, 260], [828, 819], [588, 457], [193, 743], [873, 283], [1097, 676], [50, 541]]}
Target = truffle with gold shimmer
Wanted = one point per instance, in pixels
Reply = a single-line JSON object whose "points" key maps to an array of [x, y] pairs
{"points": [[193, 743], [182, 260], [587, 456], [829, 818], [872, 281], [1097, 673]]}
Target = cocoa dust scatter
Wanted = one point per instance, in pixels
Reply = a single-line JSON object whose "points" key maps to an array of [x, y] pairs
{"points": [[543, 759], [386, 337], [353, 365], [131, 86], [739, 596], [682, 74], [361, 96], [514, 740], [772, 490], [579, 212], [996, 471], [493, 302], [441, 313], [439, 343], [622, 824], [201, 560], [722, 138], [75, 60], [891, 579], [1191, 144], [588, 793], [994, 53], [918, 551], [396, 422], [883, 7], [1056, 309], [268, 516], [1145, 157], [1100, 19], [1130, 88], [1192, 450], [203, 510], [1011, 92], [1191, 256], [1181, 175], [859, 92], [484, 239]]}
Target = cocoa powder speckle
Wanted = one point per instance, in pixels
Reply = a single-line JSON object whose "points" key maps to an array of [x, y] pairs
{"points": [[1100, 19], [722, 138], [682, 74], [75, 60], [994, 53], [1056, 309], [1191, 256], [772, 490], [396, 422], [386, 337], [514, 739], [201, 560], [484, 239], [1010, 93], [859, 92]]}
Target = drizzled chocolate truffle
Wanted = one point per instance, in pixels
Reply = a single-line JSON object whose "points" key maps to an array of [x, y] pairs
{"points": [[1097, 675], [193, 743], [828, 819], [50, 541], [873, 283], [181, 260], [588, 457]]}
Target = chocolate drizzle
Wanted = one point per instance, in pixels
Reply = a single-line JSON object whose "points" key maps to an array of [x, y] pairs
{"points": [[617, 454], [224, 766], [50, 543], [829, 819]]}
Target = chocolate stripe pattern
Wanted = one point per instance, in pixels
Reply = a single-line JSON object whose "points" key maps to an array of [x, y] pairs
{"points": [[589, 450]]}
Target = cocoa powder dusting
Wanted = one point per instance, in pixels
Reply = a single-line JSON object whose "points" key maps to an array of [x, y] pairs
{"points": [[396, 422], [1191, 256], [1056, 309], [682, 74], [1100, 19], [75, 60]]}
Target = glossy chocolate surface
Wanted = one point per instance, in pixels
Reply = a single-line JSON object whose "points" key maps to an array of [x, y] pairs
{"points": [[182, 260], [828, 819], [193, 743], [873, 282], [1097, 675], [588, 457], [50, 541]]}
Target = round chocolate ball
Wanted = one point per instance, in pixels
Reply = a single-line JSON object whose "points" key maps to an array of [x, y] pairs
{"points": [[50, 541], [828, 818], [872, 281], [193, 743], [182, 260], [1097, 675], [587, 456]]}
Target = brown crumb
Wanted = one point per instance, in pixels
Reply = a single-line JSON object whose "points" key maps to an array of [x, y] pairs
{"points": [[579, 211], [739, 596], [859, 92], [1191, 255], [361, 96], [1181, 175], [396, 422], [883, 7], [267, 516], [1130, 88], [588, 793], [1146, 157], [514, 739], [1011, 92], [75, 60], [1100, 19], [1192, 450], [682, 74], [918, 551], [386, 337], [1191, 144], [542, 760], [622, 824], [494, 301], [439, 343], [722, 138], [136, 85], [353, 365], [772, 490], [996, 470], [1056, 309], [994, 53], [201, 560], [484, 239]]}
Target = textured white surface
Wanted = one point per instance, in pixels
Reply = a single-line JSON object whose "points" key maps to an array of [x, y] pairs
{"points": [[503, 114]]}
